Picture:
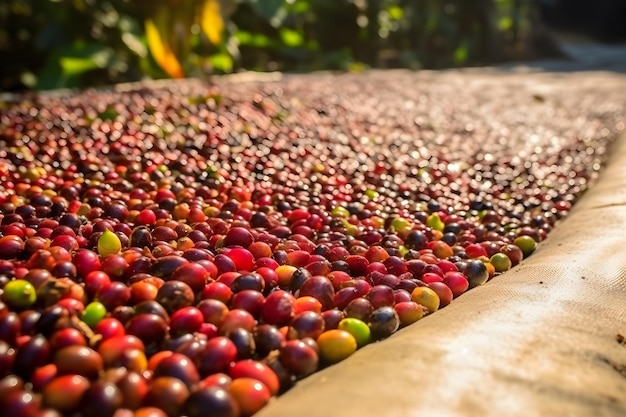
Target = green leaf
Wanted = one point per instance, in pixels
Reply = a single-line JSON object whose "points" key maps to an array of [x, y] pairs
{"points": [[395, 12], [72, 66], [222, 62], [505, 23], [291, 37], [257, 40], [211, 21], [460, 54], [80, 61], [161, 49], [299, 6]]}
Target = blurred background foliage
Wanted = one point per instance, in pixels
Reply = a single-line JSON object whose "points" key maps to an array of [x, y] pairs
{"points": [[47, 44]]}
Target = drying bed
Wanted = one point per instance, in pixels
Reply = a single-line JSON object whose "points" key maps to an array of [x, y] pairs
{"points": [[192, 248]]}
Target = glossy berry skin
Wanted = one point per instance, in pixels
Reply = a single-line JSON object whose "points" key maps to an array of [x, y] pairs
{"points": [[443, 291], [380, 296], [108, 244], [111, 349], [250, 394], [332, 318], [278, 308], [68, 336], [357, 328], [306, 324], [383, 322], [457, 282], [167, 393], [501, 262], [11, 246], [93, 313], [65, 392], [78, 360], [178, 366], [220, 352], [174, 295], [185, 320], [102, 399], [359, 308], [19, 294], [211, 402], [257, 370], [267, 338], [238, 236], [217, 291], [192, 274], [21, 403], [299, 358], [33, 353], [213, 311], [476, 273], [149, 328], [237, 318], [526, 243], [320, 288], [336, 345], [409, 312], [426, 297]]}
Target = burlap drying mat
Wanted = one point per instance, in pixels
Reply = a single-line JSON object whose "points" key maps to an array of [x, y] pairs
{"points": [[545, 339]]}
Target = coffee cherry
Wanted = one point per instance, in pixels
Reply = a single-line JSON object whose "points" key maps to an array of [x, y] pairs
{"points": [[336, 345], [11, 246], [93, 313], [251, 395], [33, 353], [19, 294], [217, 356], [21, 403], [526, 243], [443, 292], [168, 394], [383, 322], [278, 308], [102, 399], [299, 358], [65, 392], [357, 328], [211, 402], [501, 262], [78, 360], [427, 298], [174, 295], [108, 244], [409, 312], [476, 273], [258, 370], [178, 366], [151, 329], [185, 320], [457, 283], [306, 324], [134, 388]]}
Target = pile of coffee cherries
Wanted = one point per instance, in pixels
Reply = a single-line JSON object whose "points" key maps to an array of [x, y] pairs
{"points": [[195, 249]]}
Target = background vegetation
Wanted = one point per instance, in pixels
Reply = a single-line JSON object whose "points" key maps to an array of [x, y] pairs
{"points": [[75, 43]]}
